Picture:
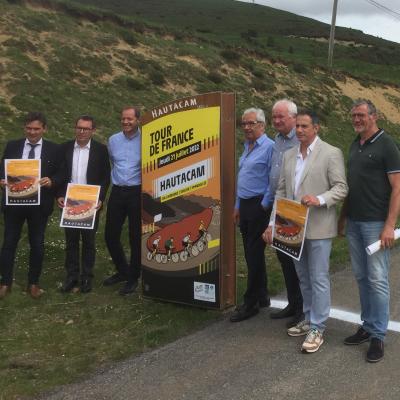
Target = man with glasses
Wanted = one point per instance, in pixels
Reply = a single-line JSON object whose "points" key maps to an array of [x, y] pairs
{"points": [[370, 212], [125, 201], [252, 199], [86, 162], [33, 146]]}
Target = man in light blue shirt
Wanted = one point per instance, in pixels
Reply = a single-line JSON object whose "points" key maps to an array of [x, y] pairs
{"points": [[250, 210], [125, 201]]}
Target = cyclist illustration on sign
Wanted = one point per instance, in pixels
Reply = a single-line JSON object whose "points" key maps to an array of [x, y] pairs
{"points": [[169, 245], [155, 244]]}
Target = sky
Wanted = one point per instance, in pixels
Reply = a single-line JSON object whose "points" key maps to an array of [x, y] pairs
{"points": [[357, 14]]}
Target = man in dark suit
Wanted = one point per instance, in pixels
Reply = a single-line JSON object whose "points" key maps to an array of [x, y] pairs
{"points": [[36, 216], [86, 162]]}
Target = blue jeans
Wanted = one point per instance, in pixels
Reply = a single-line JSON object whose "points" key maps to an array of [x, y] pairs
{"points": [[372, 275], [313, 272]]}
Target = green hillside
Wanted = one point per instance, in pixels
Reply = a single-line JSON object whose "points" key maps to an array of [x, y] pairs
{"points": [[67, 59]]}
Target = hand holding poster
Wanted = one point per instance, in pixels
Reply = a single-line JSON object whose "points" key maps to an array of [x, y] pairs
{"points": [[22, 182], [80, 206], [290, 222]]}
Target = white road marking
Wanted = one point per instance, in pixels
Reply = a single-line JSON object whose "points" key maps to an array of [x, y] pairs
{"points": [[341, 315]]}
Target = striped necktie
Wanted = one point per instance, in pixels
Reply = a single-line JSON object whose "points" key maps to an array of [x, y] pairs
{"points": [[31, 154]]}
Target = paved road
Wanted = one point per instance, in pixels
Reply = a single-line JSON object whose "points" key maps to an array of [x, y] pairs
{"points": [[255, 359]]}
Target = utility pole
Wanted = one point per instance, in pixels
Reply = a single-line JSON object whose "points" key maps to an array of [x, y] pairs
{"points": [[332, 35]]}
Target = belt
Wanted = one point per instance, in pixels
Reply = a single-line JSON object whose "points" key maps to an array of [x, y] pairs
{"points": [[255, 198], [126, 188]]}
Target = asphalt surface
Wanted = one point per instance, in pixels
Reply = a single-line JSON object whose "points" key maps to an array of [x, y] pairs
{"points": [[255, 359]]}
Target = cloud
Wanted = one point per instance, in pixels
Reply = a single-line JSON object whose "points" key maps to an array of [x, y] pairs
{"points": [[324, 8]]}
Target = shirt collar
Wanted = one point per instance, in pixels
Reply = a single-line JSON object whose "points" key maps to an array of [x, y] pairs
{"points": [[372, 139], [40, 142], [86, 146], [310, 148], [135, 135], [258, 141], [289, 136]]}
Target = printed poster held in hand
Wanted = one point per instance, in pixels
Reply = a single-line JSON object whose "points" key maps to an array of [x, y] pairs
{"points": [[290, 223]]}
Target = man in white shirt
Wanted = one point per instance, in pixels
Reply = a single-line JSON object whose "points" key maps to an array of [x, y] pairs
{"points": [[313, 173], [86, 162]]}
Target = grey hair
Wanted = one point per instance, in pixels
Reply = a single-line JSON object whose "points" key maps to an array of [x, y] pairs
{"points": [[290, 105], [259, 113], [371, 106]]}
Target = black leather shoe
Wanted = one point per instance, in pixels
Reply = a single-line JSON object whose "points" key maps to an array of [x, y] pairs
{"points": [[286, 312], [86, 286], [298, 317], [128, 288], [114, 279], [69, 285], [375, 351], [264, 303], [361, 336], [243, 312]]}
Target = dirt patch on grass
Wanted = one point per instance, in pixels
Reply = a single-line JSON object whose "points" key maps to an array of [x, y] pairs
{"points": [[3, 37], [193, 61], [353, 89], [185, 90], [38, 8]]}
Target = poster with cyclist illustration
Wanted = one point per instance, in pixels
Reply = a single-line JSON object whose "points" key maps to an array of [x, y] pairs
{"points": [[182, 201]]}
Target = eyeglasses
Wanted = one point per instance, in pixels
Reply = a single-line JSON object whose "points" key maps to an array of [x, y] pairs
{"points": [[85, 130], [249, 123]]}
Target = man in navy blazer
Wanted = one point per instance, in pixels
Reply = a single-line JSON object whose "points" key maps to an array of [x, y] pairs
{"points": [[85, 162], [36, 216]]}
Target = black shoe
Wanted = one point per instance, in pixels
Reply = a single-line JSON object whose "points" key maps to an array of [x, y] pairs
{"points": [[298, 317], [128, 288], [113, 279], [375, 351], [243, 312], [69, 285], [286, 312], [86, 286], [263, 303], [361, 336]]}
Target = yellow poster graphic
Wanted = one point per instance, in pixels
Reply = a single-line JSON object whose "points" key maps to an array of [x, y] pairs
{"points": [[22, 182], [290, 222], [80, 206]]}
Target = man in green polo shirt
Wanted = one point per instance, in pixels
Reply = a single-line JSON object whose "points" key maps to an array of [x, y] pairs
{"points": [[370, 211]]}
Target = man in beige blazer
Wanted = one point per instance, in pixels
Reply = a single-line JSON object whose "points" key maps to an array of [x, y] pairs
{"points": [[314, 174]]}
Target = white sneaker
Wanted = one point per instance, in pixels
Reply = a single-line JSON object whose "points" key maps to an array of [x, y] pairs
{"points": [[300, 329], [313, 341]]}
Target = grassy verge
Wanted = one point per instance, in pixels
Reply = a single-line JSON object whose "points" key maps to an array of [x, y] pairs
{"points": [[61, 338]]}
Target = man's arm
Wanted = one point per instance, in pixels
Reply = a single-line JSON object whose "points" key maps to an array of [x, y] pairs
{"points": [[106, 171], [387, 234], [337, 179], [342, 218]]}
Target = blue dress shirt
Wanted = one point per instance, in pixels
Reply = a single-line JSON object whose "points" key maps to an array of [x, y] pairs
{"points": [[254, 167], [125, 156], [282, 144]]}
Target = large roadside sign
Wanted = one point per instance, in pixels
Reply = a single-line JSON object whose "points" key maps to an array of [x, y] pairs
{"points": [[188, 244]]}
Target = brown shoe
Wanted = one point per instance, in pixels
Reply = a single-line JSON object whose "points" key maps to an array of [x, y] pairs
{"points": [[4, 291], [35, 291]]}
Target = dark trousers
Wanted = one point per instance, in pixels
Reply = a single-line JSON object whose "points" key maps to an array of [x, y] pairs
{"points": [[295, 299], [124, 202], [253, 221], [88, 257], [14, 218]]}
